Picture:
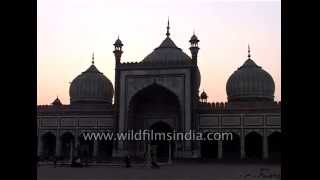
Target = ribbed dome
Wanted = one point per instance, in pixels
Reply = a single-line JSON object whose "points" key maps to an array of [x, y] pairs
{"points": [[167, 52], [91, 87], [250, 82]]}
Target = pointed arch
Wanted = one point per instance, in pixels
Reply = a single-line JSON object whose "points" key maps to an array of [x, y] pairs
{"points": [[253, 145]]}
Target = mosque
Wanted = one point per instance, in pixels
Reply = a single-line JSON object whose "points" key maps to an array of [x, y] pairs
{"points": [[161, 93]]}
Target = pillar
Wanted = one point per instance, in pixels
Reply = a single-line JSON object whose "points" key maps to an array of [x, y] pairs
{"points": [[40, 146], [76, 145], [149, 158], [154, 152], [170, 156], [187, 150], [197, 149], [114, 148], [220, 153], [176, 152], [58, 146], [242, 147], [71, 151], [265, 147], [119, 150], [95, 149]]}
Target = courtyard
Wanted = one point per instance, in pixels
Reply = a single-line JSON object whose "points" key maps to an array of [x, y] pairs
{"points": [[176, 171]]}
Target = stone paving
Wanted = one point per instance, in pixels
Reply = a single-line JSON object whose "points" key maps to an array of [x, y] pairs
{"points": [[176, 171]]}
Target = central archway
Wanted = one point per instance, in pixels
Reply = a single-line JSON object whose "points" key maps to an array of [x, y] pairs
{"points": [[150, 105]]}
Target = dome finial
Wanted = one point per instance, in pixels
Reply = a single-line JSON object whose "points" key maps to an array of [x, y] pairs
{"points": [[168, 27], [249, 55], [92, 58]]}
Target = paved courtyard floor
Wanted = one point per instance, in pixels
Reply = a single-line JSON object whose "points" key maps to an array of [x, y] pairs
{"points": [[176, 171]]}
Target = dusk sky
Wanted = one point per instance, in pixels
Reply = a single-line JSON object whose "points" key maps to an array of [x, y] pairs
{"points": [[70, 30]]}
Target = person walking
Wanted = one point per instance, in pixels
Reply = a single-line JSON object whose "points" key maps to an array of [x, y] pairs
{"points": [[55, 161], [127, 161]]}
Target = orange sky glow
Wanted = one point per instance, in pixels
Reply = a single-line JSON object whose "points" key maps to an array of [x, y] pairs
{"points": [[69, 31]]}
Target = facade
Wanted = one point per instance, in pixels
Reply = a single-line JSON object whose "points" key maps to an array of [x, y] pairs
{"points": [[161, 93]]}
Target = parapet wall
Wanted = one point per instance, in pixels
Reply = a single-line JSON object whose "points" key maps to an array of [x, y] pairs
{"points": [[239, 106]]}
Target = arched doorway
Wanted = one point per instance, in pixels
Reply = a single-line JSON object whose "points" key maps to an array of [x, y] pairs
{"points": [[49, 145], [67, 146], [209, 149], [150, 105], [231, 148], [161, 146], [85, 148], [253, 145], [105, 150], [274, 144]]}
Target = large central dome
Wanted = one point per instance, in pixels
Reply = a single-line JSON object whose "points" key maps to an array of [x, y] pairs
{"points": [[167, 53]]}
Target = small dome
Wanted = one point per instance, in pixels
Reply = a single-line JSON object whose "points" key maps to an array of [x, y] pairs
{"points": [[194, 39], [91, 87], [167, 52], [203, 95], [56, 102], [250, 82], [118, 43]]}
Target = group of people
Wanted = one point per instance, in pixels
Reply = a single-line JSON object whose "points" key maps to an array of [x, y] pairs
{"points": [[77, 162], [149, 157], [83, 162], [128, 162]]}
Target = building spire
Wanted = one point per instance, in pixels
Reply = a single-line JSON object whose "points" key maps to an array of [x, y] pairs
{"points": [[249, 55], [168, 27], [92, 58]]}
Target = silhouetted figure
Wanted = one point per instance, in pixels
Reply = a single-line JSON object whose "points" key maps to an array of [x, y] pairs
{"points": [[154, 165], [86, 157], [55, 161], [127, 161], [76, 162], [153, 162]]}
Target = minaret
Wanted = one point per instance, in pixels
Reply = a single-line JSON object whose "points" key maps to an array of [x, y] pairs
{"points": [[117, 54], [118, 50], [194, 47]]}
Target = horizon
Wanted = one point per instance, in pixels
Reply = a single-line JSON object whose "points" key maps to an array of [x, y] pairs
{"points": [[70, 31]]}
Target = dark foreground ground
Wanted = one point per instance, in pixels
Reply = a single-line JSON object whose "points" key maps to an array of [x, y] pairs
{"points": [[176, 171]]}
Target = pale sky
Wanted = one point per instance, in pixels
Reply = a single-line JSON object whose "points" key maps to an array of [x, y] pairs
{"points": [[70, 30]]}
